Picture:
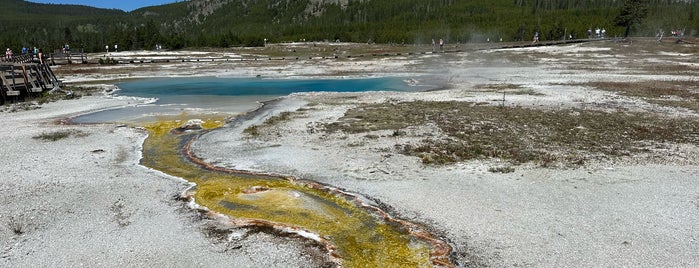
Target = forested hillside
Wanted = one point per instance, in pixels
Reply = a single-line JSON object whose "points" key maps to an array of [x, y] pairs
{"points": [[223, 23]]}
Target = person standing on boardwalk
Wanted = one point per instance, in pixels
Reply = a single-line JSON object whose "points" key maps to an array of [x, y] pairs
{"points": [[66, 52], [40, 55], [8, 54], [441, 44]]}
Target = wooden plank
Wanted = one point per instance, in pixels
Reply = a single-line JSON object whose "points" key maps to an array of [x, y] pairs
{"points": [[36, 73], [10, 89], [30, 81]]}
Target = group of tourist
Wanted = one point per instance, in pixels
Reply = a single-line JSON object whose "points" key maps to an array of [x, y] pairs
{"points": [[598, 33], [38, 55], [441, 45], [678, 34]]}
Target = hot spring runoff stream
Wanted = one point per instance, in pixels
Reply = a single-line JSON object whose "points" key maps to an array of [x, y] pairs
{"points": [[354, 233]]}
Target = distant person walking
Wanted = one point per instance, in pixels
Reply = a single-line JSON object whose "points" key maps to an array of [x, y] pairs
{"points": [[536, 37], [434, 46], [441, 44]]}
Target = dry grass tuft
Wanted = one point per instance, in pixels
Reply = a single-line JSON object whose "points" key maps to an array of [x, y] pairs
{"points": [[60, 134], [519, 135], [506, 169], [676, 93], [255, 130], [509, 89], [19, 225]]}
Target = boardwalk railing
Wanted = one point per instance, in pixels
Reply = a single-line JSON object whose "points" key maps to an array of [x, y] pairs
{"points": [[67, 57], [23, 58]]}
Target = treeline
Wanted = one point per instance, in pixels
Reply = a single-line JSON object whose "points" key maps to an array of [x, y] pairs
{"points": [[50, 26], [226, 23], [586, 4]]}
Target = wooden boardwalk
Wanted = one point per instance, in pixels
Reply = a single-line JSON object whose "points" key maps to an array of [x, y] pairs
{"points": [[21, 78], [155, 59], [74, 56]]}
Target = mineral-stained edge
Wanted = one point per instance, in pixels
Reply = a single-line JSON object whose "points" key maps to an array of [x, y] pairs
{"points": [[439, 255]]}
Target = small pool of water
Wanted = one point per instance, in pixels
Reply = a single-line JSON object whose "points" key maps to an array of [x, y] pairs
{"points": [[196, 95]]}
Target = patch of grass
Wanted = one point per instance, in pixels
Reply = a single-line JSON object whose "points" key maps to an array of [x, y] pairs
{"points": [[505, 169], [372, 136], [387, 116], [683, 93], [507, 89], [516, 134], [527, 91], [253, 131], [664, 69], [59, 135], [256, 130], [17, 224], [306, 109], [498, 87], [280, 118], [77, 93], [356, 144], [651, 89], [398, 133]]}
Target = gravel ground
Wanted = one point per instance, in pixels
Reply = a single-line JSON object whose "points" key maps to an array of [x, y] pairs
{"points": [[84, 201]]}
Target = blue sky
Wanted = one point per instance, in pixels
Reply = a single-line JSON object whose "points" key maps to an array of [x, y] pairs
{"points": [[126, 5]]}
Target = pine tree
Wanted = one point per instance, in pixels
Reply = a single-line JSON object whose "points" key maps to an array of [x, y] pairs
{"points": [[632, 12]]}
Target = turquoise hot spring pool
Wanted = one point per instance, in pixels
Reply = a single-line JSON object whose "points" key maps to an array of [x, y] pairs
{"points": [[228, 95]]}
